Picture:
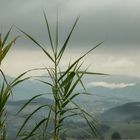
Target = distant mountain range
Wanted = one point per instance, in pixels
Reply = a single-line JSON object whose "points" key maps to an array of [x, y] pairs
{"points": [[129, 112], [107, 104], [103, 98], [38, 101], [126, 113]]}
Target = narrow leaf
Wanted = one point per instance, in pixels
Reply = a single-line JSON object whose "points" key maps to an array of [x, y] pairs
{"points": [[37, 44], [49, 33]]}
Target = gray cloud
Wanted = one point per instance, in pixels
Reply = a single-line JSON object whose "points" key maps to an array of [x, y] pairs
{"points": [[114, 21]]}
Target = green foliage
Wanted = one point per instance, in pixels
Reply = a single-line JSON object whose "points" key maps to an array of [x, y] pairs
{"points": [[5, 89], [4, 49], [63, 84], [6, 86]]}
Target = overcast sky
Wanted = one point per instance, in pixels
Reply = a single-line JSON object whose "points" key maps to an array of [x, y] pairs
{"points": [[115, 21], [110, 20]]}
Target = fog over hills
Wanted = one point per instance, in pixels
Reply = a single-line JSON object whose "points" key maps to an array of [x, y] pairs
{"points": [[129, 112], [115, 98], [111, 101], [108, 91], [126, 114]]}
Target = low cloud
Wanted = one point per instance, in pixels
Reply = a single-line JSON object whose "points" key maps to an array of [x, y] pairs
{"points": [[111, 85]]}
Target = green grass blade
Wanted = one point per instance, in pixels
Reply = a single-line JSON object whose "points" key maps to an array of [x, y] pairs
{"points": [[28, 102], [71, 115], [49, 33], [82, 84], [35, 128], [47, 123], [91, 73], [69, 99], [4, 77], [73, 87], [66, 110], [19, 81], [68, 79], [27, 119], [6, 49], [6, 37], [92, 127], [2, 91], [66, 42], [85, 114], [46, 83], [56, 37], [37, 44], [24, 73], [74, 63]]}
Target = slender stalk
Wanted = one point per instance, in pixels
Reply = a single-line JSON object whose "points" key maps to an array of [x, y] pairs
{"points": [[56, 92], [56, 133]]}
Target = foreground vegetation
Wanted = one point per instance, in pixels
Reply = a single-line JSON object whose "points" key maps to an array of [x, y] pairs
{"points": [[62, 84], [6, 86]]}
